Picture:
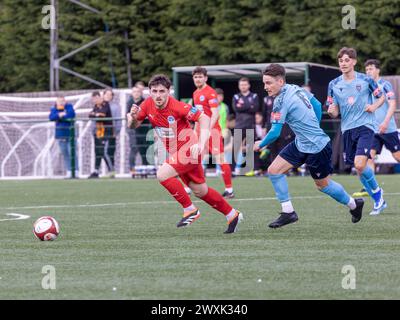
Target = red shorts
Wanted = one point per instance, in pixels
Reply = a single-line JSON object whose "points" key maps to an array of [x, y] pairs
{"points": [[215, 143], [189, 171]]}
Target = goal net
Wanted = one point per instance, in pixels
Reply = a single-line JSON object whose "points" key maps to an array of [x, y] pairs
{"points": [[28, 148]]}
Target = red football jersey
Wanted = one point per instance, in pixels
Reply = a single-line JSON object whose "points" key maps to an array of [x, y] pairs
{"points": [[205, 99], [171, 124]]}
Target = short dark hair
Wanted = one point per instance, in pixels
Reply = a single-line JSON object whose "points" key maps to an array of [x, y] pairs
{"points": [[200, 70], [275, 70], [373, 62], [219, 91], [244, 79], [109, 89], [160, 79], [139, 83], [351, 52], [96, 94]]}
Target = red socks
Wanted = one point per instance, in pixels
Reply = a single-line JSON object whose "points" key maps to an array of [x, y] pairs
{"points": [[227, 175], [215, 200], [176, 189]]}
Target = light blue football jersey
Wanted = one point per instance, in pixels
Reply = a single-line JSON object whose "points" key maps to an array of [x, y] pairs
{"points": [[352, 97], [293, 106], [380, 113]]}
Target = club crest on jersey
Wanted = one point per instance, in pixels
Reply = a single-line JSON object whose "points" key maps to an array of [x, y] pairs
{"points": [[358, 87], [202, 98], [170, 119]]}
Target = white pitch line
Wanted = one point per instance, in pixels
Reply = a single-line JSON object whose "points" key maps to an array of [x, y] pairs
{"points": [[17, 216], [124, 204]]}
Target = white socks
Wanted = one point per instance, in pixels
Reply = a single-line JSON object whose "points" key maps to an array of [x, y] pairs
{"points": [[352, 204], [287, 207]]}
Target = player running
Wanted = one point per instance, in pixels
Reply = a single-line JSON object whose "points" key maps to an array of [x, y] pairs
{"points": [[302, 112], [170, 119], [205, 99], [386, 132], [351, 93]]}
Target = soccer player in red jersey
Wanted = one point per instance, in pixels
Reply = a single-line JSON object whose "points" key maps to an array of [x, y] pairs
{"points": [[205, 99], [170, 119]]}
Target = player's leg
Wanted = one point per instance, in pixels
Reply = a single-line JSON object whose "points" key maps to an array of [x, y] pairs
{"points": [[288, 158], [226, 174], [215, 200], [396, 156], [216, 147], [366, 174], [320, 166], [371, 162], [392, 143], [167, 176]]}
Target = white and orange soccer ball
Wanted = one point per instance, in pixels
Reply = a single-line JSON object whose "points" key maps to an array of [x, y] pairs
{"points": [[46, 228]]}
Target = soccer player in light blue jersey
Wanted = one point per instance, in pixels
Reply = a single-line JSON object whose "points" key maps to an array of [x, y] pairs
{"points": [[386, 132], [350, 94], [302, 112]]}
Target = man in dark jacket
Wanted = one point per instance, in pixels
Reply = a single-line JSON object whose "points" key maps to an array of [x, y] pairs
{"points": [[62, 113], [137, 137], [245, 105], [104, 131]]}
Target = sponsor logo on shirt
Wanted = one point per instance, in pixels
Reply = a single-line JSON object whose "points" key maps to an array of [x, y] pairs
{"points": [[350, 100], [199, 106]]}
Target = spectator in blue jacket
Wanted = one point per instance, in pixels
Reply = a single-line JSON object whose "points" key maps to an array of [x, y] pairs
{"points": [[62, 113]]}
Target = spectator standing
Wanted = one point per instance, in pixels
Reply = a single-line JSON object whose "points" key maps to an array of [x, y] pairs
{"points": [[135, 98], [245, 105], [104, 131], [108, 97], [62, 113]]}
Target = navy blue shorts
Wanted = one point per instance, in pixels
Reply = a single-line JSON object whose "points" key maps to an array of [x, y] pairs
{"points": [[319, 164], [357, 142], [390, 140]]}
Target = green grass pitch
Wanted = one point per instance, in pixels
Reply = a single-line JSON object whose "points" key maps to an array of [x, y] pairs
{"points": [[119, 241]]}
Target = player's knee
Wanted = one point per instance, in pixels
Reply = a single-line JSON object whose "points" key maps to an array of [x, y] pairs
{"points": [[272, 170], [360, 166], [161, 176], [200, 191], [321, 184], [396, 155]]}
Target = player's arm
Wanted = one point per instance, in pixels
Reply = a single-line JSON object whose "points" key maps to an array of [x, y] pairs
{"points": [[378, 94], [204, 123], [333, 108], [214, 117], [214, 104], [132, 117], [391, 110], [317, 106], [272, 135], [389, 93]]}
